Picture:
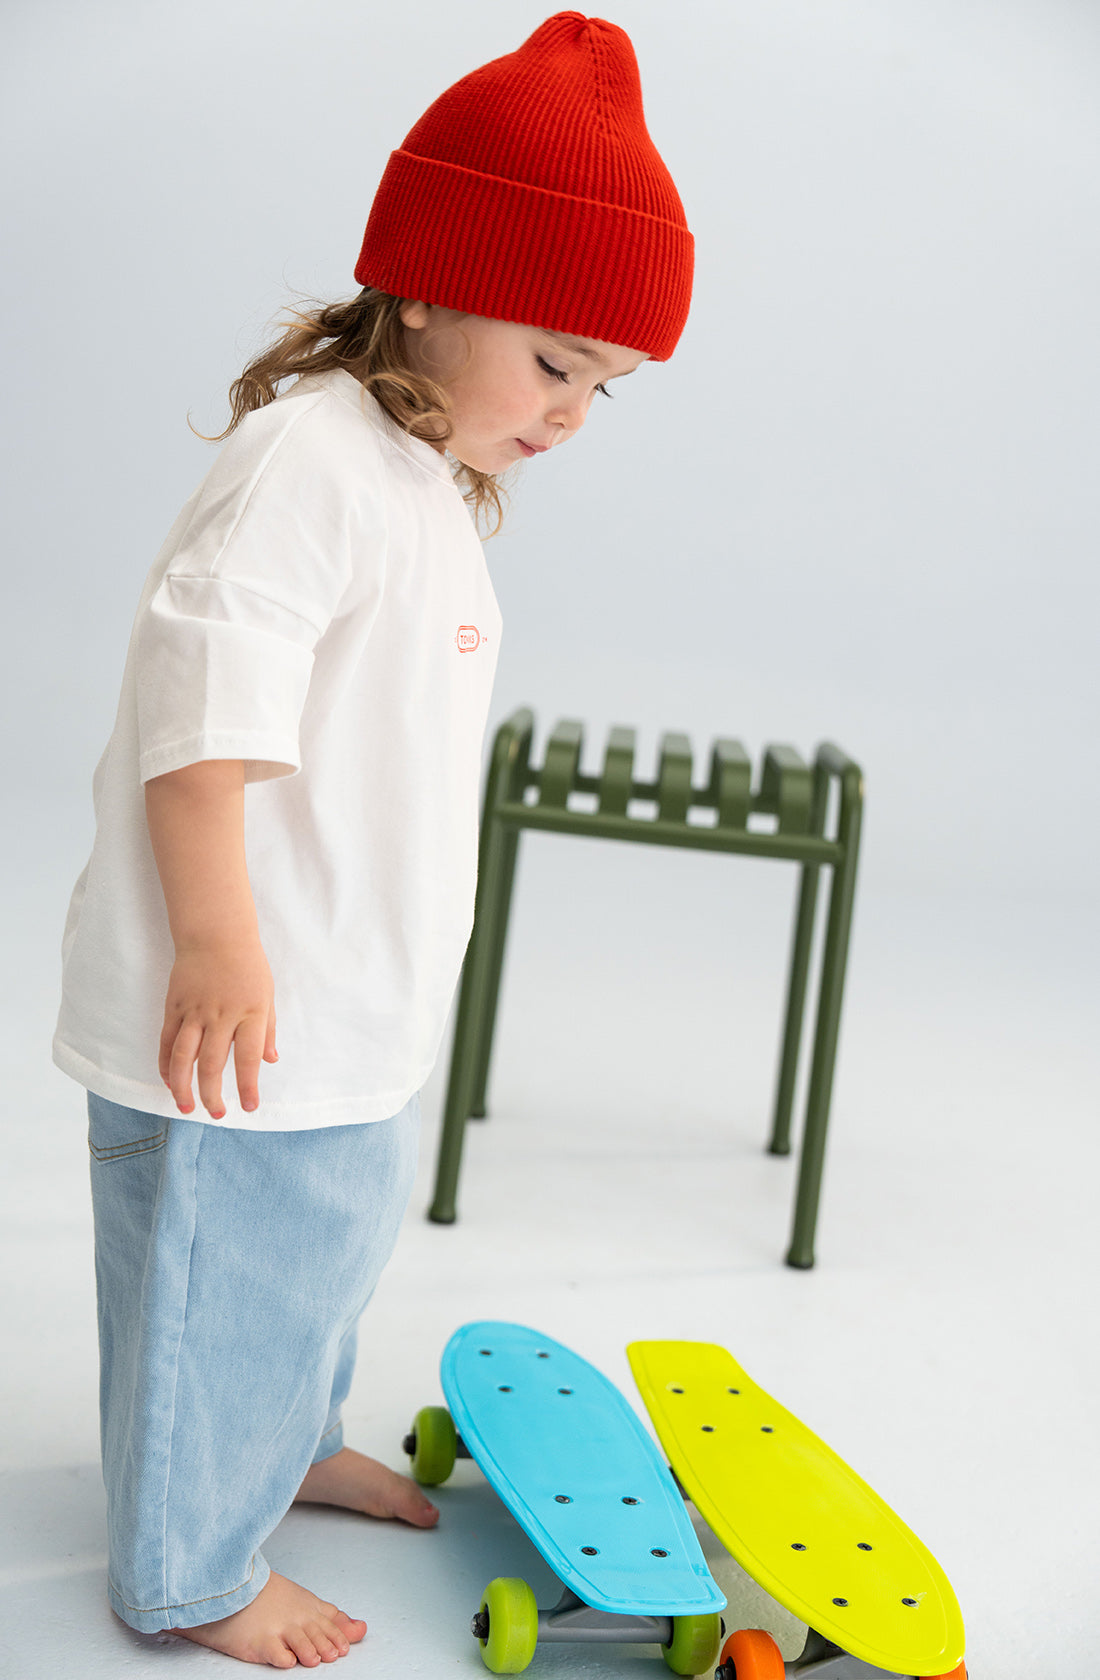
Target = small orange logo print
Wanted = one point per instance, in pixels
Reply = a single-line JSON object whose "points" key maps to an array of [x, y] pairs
{"points": [[468, 638]]}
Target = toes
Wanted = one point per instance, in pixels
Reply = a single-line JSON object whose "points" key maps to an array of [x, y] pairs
{"points": [[410, 1503], [420, 1512], [328, 1628], [351, 1627], [303, 1647], [328, 1642]]}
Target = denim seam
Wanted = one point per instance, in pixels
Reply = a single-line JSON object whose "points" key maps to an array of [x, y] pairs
{"points": [[331, 1431], [140, 1146], [162, 1609], [175, 1388]]}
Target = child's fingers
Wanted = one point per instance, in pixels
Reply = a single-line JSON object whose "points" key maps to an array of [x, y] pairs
{"points": [[211, 1062], [184, 1047], [248, 1049], [270, 1052], [167, 1041]]}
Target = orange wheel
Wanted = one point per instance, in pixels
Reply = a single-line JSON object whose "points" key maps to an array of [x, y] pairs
{"points": [[750, 1654], [956, 1674]]}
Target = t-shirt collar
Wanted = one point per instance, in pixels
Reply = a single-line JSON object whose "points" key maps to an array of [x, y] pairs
{"points": [[348, 388]]}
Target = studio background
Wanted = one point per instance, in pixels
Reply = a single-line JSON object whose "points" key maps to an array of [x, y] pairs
{"points": [[859, 503]]}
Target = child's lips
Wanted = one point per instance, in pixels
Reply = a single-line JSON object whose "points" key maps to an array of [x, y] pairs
{"points": [[530, 449]]}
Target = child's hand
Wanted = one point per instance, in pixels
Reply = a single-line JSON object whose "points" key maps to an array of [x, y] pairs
{"points": [[218, 997], [220, 993]]}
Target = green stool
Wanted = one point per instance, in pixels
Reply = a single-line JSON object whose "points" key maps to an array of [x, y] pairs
{"points": [[790, 791]]}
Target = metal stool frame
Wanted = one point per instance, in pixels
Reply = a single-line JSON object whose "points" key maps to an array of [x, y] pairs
{"points": [[796, 795]]}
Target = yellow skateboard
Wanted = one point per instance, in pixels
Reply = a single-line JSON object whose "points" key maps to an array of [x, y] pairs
{"points": [[801, 1523]]}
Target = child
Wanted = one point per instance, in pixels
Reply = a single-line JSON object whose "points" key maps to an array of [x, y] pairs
{"points": [[287, 810]]}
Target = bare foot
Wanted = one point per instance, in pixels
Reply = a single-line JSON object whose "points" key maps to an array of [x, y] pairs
{"points": [[358, 1483], [284, 1625]]}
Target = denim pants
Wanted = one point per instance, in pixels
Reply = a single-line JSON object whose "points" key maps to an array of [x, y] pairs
{"points": [[231, 1269]]}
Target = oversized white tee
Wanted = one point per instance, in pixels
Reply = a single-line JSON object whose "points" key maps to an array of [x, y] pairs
{"points": [[321, 609]]}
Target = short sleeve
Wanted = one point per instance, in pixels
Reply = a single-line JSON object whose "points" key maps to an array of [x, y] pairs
{"points": [[225, 642]]}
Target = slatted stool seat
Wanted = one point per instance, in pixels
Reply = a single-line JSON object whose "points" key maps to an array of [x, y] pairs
{"points": [[795, 795]]}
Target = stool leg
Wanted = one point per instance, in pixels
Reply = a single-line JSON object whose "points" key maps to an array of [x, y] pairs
{"points": [[484, 954], [486, 1022], [472, 998], [796, 1002], [831, 995], [801, 944]]}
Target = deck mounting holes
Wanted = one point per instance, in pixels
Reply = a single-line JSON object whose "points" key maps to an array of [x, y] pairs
{"points": [[911, 1602], [766, 1429], [628, 1499], [563, 1499], [656, 1551], [591, 1551], [505, 1388], [542, 1356], [733, 1391], [484, 1352], [672, 1389], [797, 1546], [842, 1603], [707, 1428], [565, 1391], [862, 1546]]}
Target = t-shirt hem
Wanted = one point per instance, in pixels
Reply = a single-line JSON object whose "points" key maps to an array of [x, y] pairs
{"points": [[364, 1108], [265, 756]]}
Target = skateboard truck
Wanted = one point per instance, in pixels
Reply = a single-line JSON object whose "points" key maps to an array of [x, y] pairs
{"points": [[409, 1446], [820, 1660], [573, 1620]]}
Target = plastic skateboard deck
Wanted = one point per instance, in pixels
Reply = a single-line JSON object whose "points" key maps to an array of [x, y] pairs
{"points": [[569, 1458], [795, 1516]]}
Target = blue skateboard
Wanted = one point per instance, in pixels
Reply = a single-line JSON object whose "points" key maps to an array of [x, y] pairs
{"points": [[569, 1458]]}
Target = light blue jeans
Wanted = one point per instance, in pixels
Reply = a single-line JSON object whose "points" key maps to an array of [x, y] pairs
{"points": [[231, 1269]]}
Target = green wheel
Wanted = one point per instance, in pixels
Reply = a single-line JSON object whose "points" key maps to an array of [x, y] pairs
{"points": [[431, 1445], [694, 1647], [507, 1625]]}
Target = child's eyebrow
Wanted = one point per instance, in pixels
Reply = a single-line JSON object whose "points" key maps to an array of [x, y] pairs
{"points": [[578, 348], [574, 345]]}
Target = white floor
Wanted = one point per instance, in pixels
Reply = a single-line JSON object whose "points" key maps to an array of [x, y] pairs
{"points": [[945, 1343]]}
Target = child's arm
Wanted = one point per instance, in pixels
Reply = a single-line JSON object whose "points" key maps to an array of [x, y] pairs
{"points": [[220, 992]]}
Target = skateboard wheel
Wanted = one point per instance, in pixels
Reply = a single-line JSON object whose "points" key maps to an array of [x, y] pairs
{"points": [[694, 1645], [750, 1654], [507, 1625], [432, 1445], [955, 1674]]}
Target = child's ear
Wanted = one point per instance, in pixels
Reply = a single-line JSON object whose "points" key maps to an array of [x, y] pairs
{"points": [[414, 314]]}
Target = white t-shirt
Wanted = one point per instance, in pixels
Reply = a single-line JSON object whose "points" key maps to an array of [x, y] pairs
{"points": [[322, 610]]}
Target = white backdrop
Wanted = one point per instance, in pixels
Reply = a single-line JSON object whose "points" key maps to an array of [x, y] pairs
{"points": [[860, 501]]}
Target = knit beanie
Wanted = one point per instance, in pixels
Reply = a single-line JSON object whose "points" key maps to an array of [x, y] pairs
{"points": [[531, 192]]}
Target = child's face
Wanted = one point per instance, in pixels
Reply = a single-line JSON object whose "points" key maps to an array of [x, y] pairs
{"points": [[515, 391]]}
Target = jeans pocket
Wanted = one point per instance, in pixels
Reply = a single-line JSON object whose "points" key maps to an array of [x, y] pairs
{"points": [[114, 1133]]}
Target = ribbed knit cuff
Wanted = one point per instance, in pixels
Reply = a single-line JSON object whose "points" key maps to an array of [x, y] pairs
{"points": [[574, 265]]}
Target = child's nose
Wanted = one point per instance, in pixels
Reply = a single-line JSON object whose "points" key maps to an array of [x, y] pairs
{"points": [[570, 410]]}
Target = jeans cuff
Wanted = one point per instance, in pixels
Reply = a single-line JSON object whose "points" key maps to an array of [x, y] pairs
{"points": [[198, 1611], [330, 1443]]}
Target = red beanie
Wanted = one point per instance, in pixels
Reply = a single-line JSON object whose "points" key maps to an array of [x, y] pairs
{"points": [[531, 191]]}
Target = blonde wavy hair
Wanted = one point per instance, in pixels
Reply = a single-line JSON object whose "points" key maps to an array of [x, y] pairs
{"points": [[365, 337]]}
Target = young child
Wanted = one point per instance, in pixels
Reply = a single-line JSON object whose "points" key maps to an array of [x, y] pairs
{"points": [[287, 814]]}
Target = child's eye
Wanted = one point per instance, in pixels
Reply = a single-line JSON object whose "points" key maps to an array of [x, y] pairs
{"points": [[556, 373]]}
